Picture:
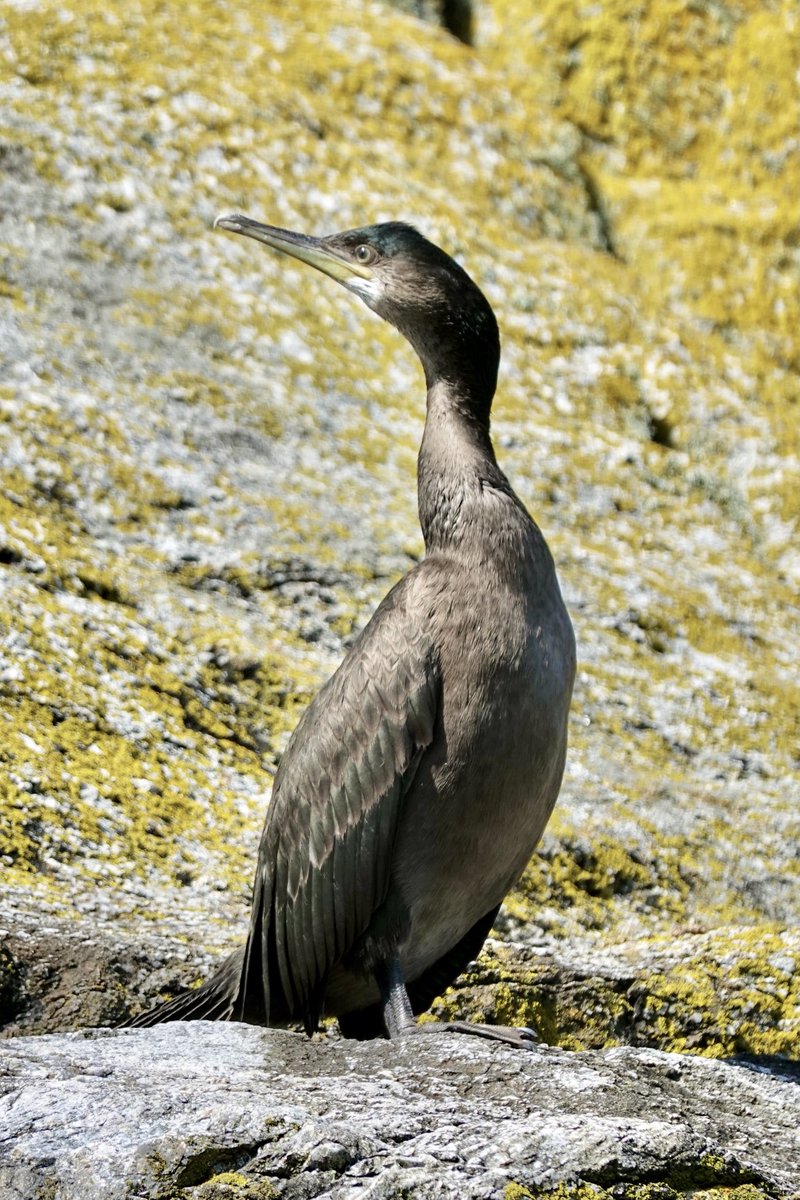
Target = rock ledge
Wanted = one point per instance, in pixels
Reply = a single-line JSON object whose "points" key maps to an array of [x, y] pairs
{"points": [[210, 1111]]}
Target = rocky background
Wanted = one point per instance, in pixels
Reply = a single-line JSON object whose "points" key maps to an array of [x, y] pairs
{"points": [[208, 460]]}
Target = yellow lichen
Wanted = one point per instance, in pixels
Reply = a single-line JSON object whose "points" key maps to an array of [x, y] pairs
{"points": [[647, 414]]}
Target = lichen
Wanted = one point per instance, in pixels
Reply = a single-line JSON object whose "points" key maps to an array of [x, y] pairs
{"points": [[562, 1191], [691, 1183], [232, 1185], [732, 992], [646, 414]]}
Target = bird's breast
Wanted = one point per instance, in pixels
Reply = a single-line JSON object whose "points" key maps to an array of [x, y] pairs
{"points": [[487, 786]]}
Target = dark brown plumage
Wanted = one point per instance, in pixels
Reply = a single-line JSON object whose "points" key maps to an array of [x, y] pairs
{"points": [[419, 780]]}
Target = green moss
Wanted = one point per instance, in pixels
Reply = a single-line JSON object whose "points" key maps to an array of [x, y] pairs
{"points": [[647, 1191], [195, 390], [562, 1191], [10, 292], [739, 995], [688, 111], [231, 1185], [107, 749], [747, 1191], [686, 1181], [732, 992], [504, 991], [589, 880]]}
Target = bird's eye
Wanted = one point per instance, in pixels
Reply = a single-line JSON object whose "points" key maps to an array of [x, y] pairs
{"points": [[365, 254]]}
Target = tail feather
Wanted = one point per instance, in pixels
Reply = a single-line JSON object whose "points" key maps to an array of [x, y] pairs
{"points": [[215, 1000]]}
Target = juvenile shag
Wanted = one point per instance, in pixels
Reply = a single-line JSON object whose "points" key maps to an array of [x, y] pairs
{"points": [[419, 780]]}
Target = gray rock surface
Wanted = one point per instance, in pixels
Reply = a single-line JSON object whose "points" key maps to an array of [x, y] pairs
{"points": [[210, 1110]]}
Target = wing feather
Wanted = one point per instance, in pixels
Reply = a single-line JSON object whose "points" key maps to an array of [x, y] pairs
{"points": [[339, 869], [276, 915], [325, 858], [354, 862]]}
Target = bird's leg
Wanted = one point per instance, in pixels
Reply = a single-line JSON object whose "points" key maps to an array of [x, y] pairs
{"points": [[397, 1014], [399, 1017]]}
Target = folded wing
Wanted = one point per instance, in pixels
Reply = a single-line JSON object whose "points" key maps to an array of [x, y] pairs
{"points": [[325, 859]]}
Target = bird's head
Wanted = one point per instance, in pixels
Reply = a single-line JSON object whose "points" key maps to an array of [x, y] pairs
{"points": [[406, 280]]}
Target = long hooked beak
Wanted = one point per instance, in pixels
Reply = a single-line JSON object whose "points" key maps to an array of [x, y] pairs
{"points": [[309, 250]]}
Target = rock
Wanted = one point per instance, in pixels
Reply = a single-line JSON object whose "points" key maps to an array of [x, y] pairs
{"points": [[210, 1111], [456, 16], [56, 976], [208, 477]]}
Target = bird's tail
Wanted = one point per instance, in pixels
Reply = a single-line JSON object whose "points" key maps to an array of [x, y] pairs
{"points": [[214, 1000]]}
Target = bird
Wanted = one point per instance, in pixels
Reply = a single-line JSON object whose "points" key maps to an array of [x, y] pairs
{"points": [[420, 778]]}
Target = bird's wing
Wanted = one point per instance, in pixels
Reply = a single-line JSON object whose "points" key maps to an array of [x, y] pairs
{"points": [[326, 851]]}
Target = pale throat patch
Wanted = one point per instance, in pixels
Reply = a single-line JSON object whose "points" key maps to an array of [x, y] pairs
{"points": [[370, 290]]}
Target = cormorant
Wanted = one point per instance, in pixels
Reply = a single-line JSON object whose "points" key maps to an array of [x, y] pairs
{"points": [[419, 780]]}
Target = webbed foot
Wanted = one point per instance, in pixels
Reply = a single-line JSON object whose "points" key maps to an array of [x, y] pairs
{"points": [[522, 1037]]}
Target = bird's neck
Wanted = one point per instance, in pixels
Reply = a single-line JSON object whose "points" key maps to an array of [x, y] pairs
{"points": [[456, 467]]}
